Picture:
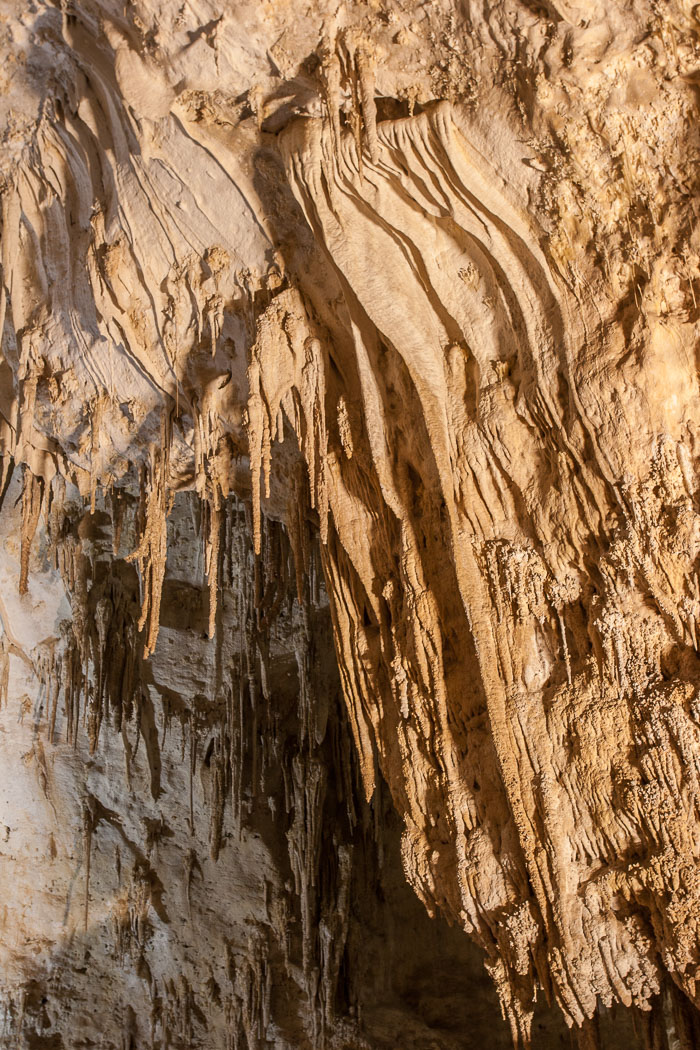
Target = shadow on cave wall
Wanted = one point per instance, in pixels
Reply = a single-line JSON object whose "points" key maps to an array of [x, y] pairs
{"points": [[403, 980]]}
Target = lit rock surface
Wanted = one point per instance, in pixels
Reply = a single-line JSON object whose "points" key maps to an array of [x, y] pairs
{"points": [[349, 412]]}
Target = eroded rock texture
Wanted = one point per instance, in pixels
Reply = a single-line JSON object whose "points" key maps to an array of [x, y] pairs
{"points": [[349, 403]]}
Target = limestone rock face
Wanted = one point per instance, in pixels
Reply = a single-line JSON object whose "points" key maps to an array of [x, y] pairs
{"points": [[349, 417]]}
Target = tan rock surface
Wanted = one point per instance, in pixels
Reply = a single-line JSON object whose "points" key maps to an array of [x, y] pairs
{"points": [[365, 329]]}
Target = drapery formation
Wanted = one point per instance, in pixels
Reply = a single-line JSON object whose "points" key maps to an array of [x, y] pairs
{"points": [[509, 550]]}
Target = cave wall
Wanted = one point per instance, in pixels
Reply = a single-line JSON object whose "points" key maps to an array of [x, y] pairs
{"points": [[188, 857], [348, 405]]}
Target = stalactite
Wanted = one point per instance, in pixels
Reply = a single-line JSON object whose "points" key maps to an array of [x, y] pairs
{"points": [[331, 71], [213, 556], [32, 493], [333, 931], [365, 71], [152, 551], [283, 336], [118, 506], [192, 766], [220, 784], [308, 791], [130, 924], [96, 419]]}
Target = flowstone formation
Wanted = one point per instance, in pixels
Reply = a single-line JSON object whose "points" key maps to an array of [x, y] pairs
{"points": [[349, 410]]}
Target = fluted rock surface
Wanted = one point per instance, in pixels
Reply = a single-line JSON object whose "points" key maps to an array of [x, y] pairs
{"points": [[349, 394]]}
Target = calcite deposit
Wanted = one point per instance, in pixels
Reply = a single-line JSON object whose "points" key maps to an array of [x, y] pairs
{"points": [[349, 421]]}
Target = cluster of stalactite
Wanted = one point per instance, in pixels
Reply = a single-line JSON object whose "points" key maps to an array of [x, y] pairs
{"points": [[377, 508], [247, 748], [457, 459], [502, 506]]}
